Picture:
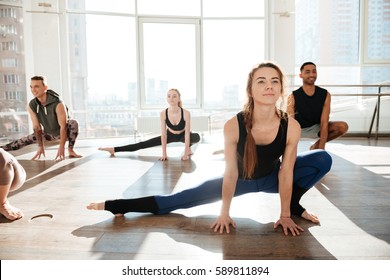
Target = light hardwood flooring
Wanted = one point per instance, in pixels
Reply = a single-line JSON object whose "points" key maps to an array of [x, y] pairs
{"points": [[352, 202]]}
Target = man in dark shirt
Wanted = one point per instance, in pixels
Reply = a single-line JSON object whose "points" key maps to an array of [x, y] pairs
{"points": [[310, 106], [50, 121]]}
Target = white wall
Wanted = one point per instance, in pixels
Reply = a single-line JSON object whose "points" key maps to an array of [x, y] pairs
{"points": [[282, 35]]}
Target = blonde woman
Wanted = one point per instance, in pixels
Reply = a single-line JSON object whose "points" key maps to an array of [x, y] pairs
{"points": [[175, 127]]}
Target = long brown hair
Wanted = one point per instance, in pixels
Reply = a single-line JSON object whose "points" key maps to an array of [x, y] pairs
{"points": [[250, 155]]}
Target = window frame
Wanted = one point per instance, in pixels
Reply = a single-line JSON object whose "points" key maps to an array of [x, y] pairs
{"points": [[141, 57]]}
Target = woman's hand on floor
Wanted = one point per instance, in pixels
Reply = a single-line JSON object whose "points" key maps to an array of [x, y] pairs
{"points": [[288, 225], [223, 223]]}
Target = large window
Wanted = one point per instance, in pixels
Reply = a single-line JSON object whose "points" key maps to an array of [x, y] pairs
{"points": [[103, 69], [124, 59], [169, 7], [233, 8], [328, 32], [13, 115], [169, 58], [228, 59], [233, 42], [118, 58], [112, 6], [378, 31], [349, 42]]}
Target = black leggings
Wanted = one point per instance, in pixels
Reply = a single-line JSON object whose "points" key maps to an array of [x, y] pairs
{"points": [[156, 141]]}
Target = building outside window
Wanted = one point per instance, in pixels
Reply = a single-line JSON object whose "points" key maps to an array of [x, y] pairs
{"points": [[13, 115], [349, 42], [123, 57]]}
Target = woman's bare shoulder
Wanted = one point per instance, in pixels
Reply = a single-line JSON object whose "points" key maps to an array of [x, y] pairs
{"points": [[162, 114], [231, 126], [294, 129]]}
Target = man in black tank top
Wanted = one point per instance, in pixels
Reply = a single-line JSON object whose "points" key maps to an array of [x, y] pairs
{"points": [[310, 106]]}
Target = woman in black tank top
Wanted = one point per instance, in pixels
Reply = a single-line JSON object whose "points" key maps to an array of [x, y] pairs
{"points": [[175, 127], [260, 155]]}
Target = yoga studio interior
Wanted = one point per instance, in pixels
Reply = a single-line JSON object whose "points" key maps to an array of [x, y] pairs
{"points": [[113, 62]]}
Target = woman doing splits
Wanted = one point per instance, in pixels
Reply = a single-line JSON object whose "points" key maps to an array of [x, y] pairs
{"points": [[12, 177], [175, 127], [260, 154]]}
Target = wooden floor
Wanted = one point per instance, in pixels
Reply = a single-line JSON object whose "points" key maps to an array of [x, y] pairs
{"points": [[352, 202]]}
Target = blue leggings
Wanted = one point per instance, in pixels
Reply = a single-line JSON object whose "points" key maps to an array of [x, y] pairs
{"points": [[309, 168]]}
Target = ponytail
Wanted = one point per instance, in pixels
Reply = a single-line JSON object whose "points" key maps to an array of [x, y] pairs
{"points": [[250, 155]]}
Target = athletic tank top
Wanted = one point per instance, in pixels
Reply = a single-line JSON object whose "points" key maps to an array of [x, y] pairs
{"points": [[308, 109], [267, 155], [180, 126], [47, 115]]}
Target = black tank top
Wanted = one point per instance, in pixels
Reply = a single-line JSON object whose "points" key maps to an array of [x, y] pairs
{"points": [[180, 126], [308, 109], [267, 155]]}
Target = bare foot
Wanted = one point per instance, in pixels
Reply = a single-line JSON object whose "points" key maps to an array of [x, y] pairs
{"points": [[310, 217], [96, 205], [10, 212], [100, 205], [109, 149], [217, 152], [73, 154], [186, 157], [315, 146]]}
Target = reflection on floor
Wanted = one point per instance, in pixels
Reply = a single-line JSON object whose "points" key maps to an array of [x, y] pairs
{"points": [[352, 201]]}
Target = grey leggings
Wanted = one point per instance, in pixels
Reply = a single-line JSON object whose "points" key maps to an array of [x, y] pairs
{"points": [[72, 132]]}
